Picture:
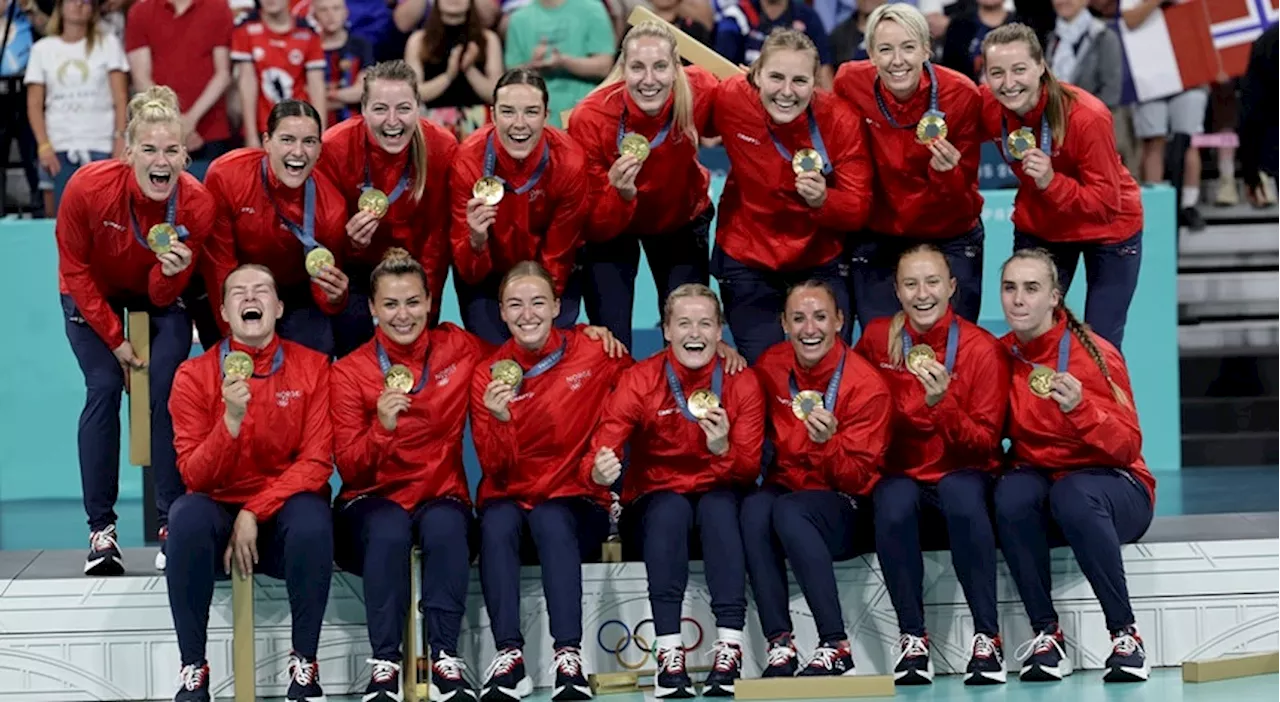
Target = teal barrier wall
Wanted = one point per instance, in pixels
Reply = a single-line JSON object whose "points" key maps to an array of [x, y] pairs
{"points": [[42, 390]]}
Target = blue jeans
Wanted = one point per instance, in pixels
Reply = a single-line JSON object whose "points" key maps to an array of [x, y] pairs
{"points": [[873, 266], [69, 162]]}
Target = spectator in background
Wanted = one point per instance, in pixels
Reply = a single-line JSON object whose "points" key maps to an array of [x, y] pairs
{"points": [[186, 45], [346, 57], [458, 62], [275, 55], [693, 17], [1258, 119], [741, 34], [77, 92], [19, 37], [1085, 52], [371, 20], [569, 42], [962, 46], [411, 15], [849, 39]]}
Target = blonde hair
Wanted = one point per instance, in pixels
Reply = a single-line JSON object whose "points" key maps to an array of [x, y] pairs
{"points": [[1079, 329], [681, 93], [396, 262], [899, 320], [400, 71], [155, 105], [782, 39], [905, 16], [54, 27], [687, 290], [526, 269], [1059, 101]]}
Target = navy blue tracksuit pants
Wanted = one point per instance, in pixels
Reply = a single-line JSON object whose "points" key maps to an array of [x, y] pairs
{"points": [[659, 525], [481, 310], [611, 267], [296, 545], [1092, 510], [954, 508], [561, 534], [873, 269], [373, 539], [754, 300], [812, 529], [98, 436], [1111, 272]]}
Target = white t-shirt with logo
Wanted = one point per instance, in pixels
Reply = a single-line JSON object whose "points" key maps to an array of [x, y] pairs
{"points": [[79, 114]]}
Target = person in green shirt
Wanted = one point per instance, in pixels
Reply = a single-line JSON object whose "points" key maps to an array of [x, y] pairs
{"points": [[570, 42]]}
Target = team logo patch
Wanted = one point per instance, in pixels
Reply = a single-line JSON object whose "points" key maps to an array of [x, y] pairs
{"points": [[295, 57]]}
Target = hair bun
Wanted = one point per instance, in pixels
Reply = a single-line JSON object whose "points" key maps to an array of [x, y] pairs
{"points": [[395, 253]]}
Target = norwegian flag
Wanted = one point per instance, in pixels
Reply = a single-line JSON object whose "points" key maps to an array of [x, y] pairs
{"points": [[1191, 43]]}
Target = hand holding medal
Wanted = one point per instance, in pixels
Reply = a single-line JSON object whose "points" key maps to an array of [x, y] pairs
{"points": [[1066, 390], [175, 256], [945, 155], [821, 425], [237, 368], [810, 183], [704, 405], [933, 375], [1039, 167], [622, 175], [393, 400]]}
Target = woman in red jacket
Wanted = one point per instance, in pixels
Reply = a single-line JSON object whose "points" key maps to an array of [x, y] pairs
{"points": [[949, 381], [534, 404], [1075, 197], [829, 414], [925, 133], [1076, 471], [392, 167], [276, 210], [695, 437], [128, 231], [519, 193], [255, 447], [800, 182], [639, 130]]}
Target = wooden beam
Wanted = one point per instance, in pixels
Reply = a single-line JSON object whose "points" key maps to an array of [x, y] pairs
{"points": [[140, 391], [244, 660], [813, 688], [690, 49], [412, 635], [1229, 667]]}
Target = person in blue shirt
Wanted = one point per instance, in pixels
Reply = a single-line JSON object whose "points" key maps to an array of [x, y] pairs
{"points": [[742, 29], [16, 29]]}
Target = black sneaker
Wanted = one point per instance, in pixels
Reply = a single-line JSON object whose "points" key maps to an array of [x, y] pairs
{"points": [[571, 681], [104, 553], [1128, 659], [505, 680], [783, 659], [161, 559], [304, 680], [829, 659], [672, 680], [1191, 218], [449, 680], [986, 664], [913, 667], [726, 668], [194, 681], [1044, 658], [384, 682]]}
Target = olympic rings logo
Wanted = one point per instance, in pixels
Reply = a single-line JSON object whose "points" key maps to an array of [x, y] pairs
{"points": [[627, 636]]}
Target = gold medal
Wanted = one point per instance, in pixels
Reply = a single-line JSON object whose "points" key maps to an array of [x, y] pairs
{"points": [[374, 202], [806, 160], [931, 128], [918, 355], [399, 378], [161, 237], [1020, 142], [701, 402], [507, 371], [489, 189], [318, 259], [635, 145], [805, 402], [1041, 381], [237, 365]]}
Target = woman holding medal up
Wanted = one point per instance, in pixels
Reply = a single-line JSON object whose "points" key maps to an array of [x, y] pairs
{"points": [[925, 134], [519, 193], [392, 166], [799, 182], [949, 381], [829, 446], [279, 212], [695, 433], [639, 129], [1075, 197], [1076, 471], [128, 232]]}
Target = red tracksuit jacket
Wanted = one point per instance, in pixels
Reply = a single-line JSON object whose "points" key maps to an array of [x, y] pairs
{"points": [[668, 451], [285, 446], [422, 459], [763, 222], [544, 224], [1098, 432], [965, 428], [1092, 197], [537, 455], [911, 198], [672, 186], [99, 255], [850, 461]]}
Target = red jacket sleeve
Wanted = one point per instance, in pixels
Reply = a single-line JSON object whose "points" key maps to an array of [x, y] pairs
{"points": [[436, 255], [849, 195], [360, 442], [1095, 197], [313, 466], [623, 409], [746, 432], [609, 214], [560, 245], [495, 441], [74, 233], [972, 420], [471, 264], [207, 453], [964, 132], [855, 454], [1102, 421], [219, 256]]}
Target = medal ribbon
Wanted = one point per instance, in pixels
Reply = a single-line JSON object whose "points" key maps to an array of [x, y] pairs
{"points": [[276, 361], [953, 337], [544, 365], [384, 362], [1064, 353], [491, 162], [815, 138], [400, 186], [833, 387], [657, 140], [306, 234], [1046, 137], [933, 100], [717, 381], [170, 215]]}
